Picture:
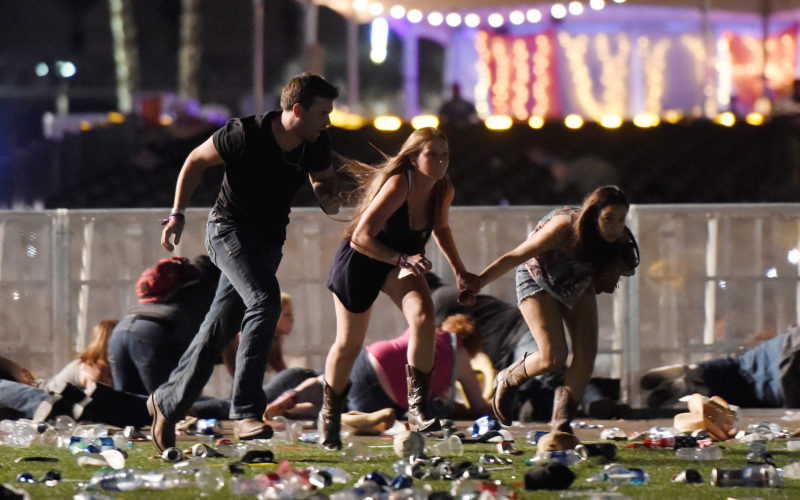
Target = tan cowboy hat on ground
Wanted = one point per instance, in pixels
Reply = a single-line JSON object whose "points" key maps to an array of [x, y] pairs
{"points": [[713, 414]]}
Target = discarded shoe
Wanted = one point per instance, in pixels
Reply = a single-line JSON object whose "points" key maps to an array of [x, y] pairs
{"points": [[714, 415], [365, 424]]}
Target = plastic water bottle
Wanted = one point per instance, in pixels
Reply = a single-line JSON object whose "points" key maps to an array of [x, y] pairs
{"points": [[619, 474], [660, 432], [566, 457], [532, 437], [209, 426], [752, 475], [766, 430], [712, 452], [756, 450], [122, 480], [613, 434]]}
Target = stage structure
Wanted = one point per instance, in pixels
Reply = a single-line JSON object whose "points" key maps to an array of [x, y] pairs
{"points": [[601, 60]]}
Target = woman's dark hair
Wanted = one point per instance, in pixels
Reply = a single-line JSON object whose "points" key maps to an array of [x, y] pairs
{"points": [[590, 244]]}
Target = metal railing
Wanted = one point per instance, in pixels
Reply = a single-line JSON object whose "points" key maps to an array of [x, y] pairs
{"points": [[714, 280]]}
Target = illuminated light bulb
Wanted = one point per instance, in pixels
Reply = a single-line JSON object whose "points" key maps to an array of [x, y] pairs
{"points": [[422, 121], [597, 4], [771, 273], [376, 9], [42, 69], [726, 119], [575, 8], [533, 16], [793, 256], [414, 16], [116, 117], [397, 11], [346, 120], [536, 122], [495, 20], [435, 18], [673, 115], [85, 125], [387, 123], [573, 121], [611, 121], [472, 20], [498, 122], [359, 5], [453, 19], [379, 36], [646, 120], [619, 1], [66, 69], [558, 11], [754, 119], [165, 120], [516, 17]]}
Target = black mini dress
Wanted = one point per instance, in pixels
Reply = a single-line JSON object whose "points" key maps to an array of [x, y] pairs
{"points": [[357, 279]]}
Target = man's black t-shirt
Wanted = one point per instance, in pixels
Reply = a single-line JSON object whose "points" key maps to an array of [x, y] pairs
{"points": [[260, 178]]}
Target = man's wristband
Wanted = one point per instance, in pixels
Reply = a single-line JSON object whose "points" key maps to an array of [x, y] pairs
{"points": [[175, 215]]}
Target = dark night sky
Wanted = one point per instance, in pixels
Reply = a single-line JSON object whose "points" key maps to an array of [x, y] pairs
{"points": [[79, 30]]}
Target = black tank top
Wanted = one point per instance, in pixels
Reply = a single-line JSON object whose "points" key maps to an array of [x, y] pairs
{"points": [[397, 233]]}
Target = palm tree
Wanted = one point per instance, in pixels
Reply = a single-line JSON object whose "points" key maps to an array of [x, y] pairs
{"points": [[126, 54], [190, 50]]}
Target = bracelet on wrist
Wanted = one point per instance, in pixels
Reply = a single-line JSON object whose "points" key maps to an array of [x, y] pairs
{"points": [[175, 215], [402, 261]]}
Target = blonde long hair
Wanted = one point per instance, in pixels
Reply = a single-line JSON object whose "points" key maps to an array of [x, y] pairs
{"points": [[370, 179], [96, 353]]}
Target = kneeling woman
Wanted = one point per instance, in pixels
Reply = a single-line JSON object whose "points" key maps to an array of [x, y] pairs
{"points": [[399, 204], [572, 254], [376, 384]]}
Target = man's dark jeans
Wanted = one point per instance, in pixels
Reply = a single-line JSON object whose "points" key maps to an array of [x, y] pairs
{"points": [[248, 266]]}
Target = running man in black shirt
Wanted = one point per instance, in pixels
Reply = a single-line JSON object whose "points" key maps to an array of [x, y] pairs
{"points": [[267, 158]]}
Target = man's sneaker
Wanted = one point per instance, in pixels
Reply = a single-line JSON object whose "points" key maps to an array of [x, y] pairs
{"points": [[251, 428]]}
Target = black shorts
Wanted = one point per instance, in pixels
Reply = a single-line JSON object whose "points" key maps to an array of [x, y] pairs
{"points": [[356, 279]]}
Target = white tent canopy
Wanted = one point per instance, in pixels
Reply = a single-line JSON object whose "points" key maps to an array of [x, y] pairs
{"points": [[348, 7], [701, 17]]}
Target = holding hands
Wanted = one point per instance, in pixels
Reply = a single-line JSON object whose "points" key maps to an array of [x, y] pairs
{"points": [[468, 287]]}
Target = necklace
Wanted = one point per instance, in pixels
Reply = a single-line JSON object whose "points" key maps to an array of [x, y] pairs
{"points": [[299, 158]]}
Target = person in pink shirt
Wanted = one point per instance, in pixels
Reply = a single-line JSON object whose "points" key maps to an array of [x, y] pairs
{"points": [[378, 382]]}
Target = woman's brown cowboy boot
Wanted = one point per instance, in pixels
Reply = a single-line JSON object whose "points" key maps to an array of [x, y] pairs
{"points": [[329, 422], [506, 384], [560, 436], [419, 393]]}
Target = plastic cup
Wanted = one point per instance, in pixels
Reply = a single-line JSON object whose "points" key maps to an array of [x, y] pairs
{"points": [[450, 447]]}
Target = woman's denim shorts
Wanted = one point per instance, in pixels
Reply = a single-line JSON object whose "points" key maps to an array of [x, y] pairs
{"points": [[526, 286]]}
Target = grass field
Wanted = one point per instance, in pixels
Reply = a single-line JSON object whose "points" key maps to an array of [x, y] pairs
{"points": [[661, 465]]}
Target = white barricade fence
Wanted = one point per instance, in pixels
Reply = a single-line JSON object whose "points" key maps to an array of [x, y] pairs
{"points": [[714, 280]]}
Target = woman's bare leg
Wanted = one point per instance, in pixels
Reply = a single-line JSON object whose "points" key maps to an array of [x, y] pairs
{"points": [[351, 328], [413, 297], [582, 325], [544, 316]]}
